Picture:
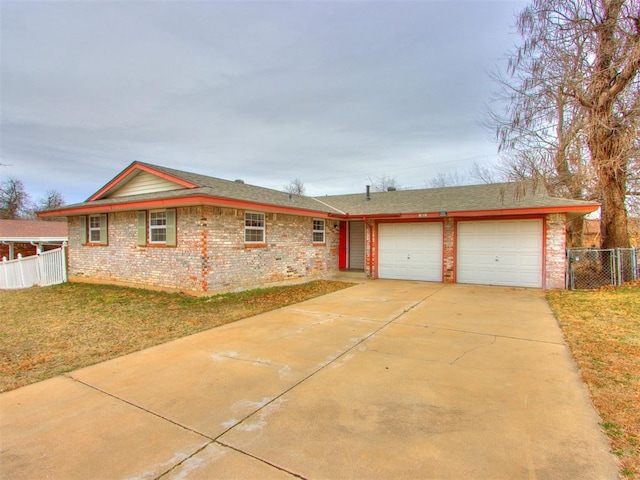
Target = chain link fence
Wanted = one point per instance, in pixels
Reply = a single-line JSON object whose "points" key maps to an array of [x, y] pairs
{"points": [[594, 268]]}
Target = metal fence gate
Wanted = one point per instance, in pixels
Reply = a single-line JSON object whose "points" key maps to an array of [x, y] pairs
{"points": [[594, 268], [47, 268]]}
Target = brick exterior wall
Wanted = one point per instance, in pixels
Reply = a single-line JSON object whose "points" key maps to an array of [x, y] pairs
{"points": [[370, 249], [449, 251], [210, 255], [555, 250]]}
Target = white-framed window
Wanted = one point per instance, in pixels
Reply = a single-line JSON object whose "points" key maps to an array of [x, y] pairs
{"points": [[254, 231], [95, 222], [158, 226], [318, 231], [93, 229]]}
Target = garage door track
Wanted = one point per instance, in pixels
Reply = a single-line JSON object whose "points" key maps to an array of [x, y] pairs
{"points": [[386, 379]]}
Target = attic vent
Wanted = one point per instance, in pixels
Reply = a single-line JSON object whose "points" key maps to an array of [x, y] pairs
{"points": [[391, 189], [239, 180]]}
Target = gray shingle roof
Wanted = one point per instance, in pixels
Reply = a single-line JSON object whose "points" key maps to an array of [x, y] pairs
{"points": [[495, 196], [488, 197], [213, 187], [243, 191]]}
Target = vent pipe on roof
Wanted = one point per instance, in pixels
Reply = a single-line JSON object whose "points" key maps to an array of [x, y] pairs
{"points": [[368, 192]]}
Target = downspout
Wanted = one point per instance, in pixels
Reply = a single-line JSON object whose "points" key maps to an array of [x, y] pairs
{"points": [[38, 247], [11, 249]]}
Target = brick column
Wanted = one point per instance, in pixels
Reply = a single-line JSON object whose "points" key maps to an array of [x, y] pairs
{"points": [[555, 250], [449, 251]]}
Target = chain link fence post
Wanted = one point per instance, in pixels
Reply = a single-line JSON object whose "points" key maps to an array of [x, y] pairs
{"points": [[594, 268]]}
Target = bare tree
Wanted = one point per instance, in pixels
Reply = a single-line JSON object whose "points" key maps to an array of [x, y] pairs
{"points": [[484, 173], [447, 179], [476, 174], [14, 199], [574, 108], [295, 187], [51, 200], [383, 183]]}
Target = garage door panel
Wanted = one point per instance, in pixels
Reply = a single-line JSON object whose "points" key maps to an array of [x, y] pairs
{"points": [[531, 261], [501, 252], [529, 243], [508, 261], [410, 251]]}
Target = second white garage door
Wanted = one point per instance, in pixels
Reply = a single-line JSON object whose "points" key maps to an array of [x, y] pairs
{"points": [[504, 252], [410, 251]]}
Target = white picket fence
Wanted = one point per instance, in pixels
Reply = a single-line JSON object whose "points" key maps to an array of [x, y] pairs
{"points": [[47, 268]]}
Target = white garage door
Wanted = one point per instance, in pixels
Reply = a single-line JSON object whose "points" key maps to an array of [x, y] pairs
{"points": [[505, 252], [410, 251]]}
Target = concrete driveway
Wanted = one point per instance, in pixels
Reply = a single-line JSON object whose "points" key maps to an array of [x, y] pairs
{"points": [[386, 379]]}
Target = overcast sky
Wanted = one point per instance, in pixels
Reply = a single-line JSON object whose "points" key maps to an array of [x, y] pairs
{"points": [[332, 93]]}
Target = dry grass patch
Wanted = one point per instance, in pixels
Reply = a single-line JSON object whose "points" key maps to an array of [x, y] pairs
{"points": [[49, 331], [603, 331]]}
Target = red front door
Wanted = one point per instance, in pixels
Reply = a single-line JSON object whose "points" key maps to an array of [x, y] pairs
{"points": [[342, 251]]}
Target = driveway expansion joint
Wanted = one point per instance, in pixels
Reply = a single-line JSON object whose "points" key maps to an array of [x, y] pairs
{"points": [[530, 422], [173, 467], [150, 412], [242, 452], [471, 332], [323, 366]]}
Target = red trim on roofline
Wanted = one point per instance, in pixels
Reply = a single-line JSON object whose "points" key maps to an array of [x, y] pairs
{"points": [[144, 168], [186, 201], [474, 213], [525, 211]]}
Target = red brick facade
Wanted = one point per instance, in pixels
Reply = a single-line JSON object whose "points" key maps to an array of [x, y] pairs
{"points": [[210, 254], [555, 250]]}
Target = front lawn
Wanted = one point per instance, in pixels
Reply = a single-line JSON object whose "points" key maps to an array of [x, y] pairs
{"points": [[48, 331], [602, 329]]}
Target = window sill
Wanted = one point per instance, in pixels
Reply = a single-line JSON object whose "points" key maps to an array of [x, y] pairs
{"points": [[255, 245], [320, 244], [157, 245], [95, 244]]}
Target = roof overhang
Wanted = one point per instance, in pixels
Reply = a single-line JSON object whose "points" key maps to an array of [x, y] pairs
{"points": [[183, 201], [572, 211]]}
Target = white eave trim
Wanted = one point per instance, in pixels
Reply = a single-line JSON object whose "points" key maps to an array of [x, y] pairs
{"points": [[33, 239]]}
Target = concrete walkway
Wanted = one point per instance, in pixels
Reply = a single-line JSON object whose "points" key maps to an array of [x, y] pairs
{"points": [[384, 380]]}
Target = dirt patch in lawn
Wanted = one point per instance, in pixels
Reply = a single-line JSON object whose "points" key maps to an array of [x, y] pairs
{"points": [[602, 329], [45, 332]]}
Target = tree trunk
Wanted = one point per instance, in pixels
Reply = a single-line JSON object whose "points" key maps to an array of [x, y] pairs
{"points": [[606, 137], [611, 164], [614, 231], [575, 233]]}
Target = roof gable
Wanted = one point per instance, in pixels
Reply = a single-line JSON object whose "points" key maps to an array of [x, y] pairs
{"points": [[141, 178], [140, 182]]}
